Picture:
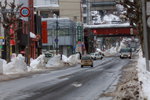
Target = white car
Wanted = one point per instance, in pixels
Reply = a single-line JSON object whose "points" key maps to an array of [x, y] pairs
{"points": [[96, 56]]}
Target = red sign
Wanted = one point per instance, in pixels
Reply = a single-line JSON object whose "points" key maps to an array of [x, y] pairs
{"points": [[12, 35], [111, 31], [25, 12], [44, 32]]}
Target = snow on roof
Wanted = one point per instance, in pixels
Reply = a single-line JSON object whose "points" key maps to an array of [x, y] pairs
{"points": [[111, 17], [107, 25]]}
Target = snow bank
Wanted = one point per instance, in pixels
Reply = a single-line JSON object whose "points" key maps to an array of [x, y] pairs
{"points": [[37, 64], [17, 65], [56, 61], [110, 17], [144, 76], [110, 52], [99, 50], [1, 66], [74, 59], [122, 45]]}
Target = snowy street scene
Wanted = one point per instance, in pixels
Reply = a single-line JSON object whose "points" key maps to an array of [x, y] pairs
{"points": [[74, 50]]}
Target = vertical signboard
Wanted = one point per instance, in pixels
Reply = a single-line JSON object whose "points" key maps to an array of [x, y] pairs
{"points": [[44, 32], [12, 35], [79, 33]]}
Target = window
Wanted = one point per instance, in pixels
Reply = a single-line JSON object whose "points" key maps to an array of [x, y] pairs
{"points": [[84, 1], [61, 32], [64, 31], [84, 19], [46, 2], [84, 10]]}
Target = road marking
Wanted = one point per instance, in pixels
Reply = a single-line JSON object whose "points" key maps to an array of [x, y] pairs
{"points": [[76, 84]]}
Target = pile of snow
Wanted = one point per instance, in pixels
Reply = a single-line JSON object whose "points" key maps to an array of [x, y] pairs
{"points": [[144, 76], [94, 13], [1, 66], [73, 59], [17, 65], [37, 64], [110, 17], [114, 50], [99, 50], [122, 45], [56, 61], [119, 7], [107, 19], [111, 52]]}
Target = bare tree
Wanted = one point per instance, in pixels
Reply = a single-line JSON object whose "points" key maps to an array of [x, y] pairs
{"points": [[10, 18], [134, 14]]}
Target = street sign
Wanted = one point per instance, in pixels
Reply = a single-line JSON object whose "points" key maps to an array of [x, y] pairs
{"points": [[79, 33], [56, 40], [1, 37], [1, 46], [25, 12]]}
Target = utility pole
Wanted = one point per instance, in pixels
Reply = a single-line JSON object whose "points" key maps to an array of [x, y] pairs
{"points": [[56, 40], [32, 28], [88, 10], [145, 33], [29, 44]]}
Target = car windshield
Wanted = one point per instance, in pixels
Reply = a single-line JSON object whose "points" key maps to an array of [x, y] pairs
{"points": [[86, 58], [92, 54], [125, 50]]}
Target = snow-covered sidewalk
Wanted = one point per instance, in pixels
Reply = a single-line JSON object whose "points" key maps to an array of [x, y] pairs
{"points": [[144, 77]]}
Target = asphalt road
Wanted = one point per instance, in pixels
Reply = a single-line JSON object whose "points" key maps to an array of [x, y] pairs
{"points": [[73, 83]]}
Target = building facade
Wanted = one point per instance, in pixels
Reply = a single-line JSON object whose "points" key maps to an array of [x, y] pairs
{"points": [[101, 6], [61, 35], [62, 8], [65, 14]]}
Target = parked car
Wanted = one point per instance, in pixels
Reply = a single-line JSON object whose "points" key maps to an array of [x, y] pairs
{"points": [[86, 60], [96, 56], [47, 56], [126, 53]]}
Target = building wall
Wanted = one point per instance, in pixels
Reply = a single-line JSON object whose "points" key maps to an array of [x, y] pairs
{"points": [[103, 7], [71, 9], [65, 8], [45, 2]]}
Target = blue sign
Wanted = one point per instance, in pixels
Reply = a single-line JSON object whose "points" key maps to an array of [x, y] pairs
{"points": [[25, 12], [56, 40]]}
